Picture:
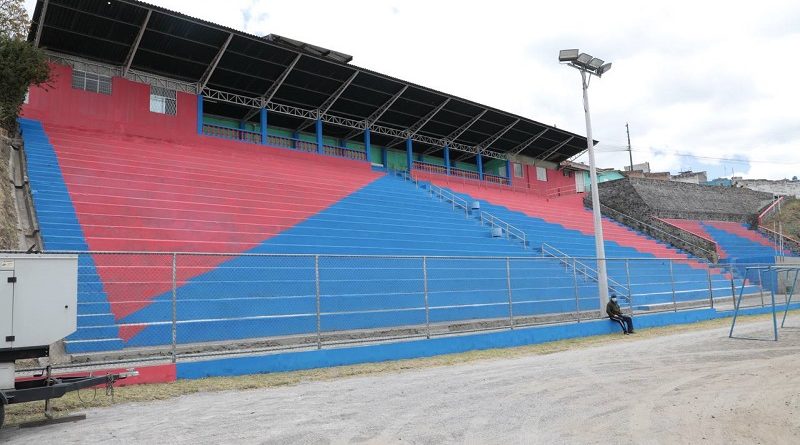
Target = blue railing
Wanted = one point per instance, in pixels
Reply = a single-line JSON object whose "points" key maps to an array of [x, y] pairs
{"points": [[254, 137]]}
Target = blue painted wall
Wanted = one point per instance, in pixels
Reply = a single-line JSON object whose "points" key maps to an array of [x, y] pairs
{"points": [[294, 361]]}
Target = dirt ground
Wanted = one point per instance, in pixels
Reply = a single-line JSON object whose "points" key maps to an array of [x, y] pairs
{"points": [[693, 386]]}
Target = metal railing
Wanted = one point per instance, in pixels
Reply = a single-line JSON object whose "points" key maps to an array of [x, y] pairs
{"points": [[442, 170], [232, 133], [782, 241], [254, 137], [621, 217], [770, 210], [495, 179], [508, 230], [448, 196], [140, 306], [564, 190], [584, 269]]}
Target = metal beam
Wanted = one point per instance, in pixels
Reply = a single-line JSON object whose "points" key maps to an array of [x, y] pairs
{"points": [[555, 149], [359, 125], [462, 129], [213, 65], [40, 25], [414, 129], [377, 114], [270, 93], [323, 109], [135, 46], [492, 139], [521, 147]]}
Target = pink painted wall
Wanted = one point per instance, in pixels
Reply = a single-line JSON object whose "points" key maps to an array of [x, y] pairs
{"points": [[125, 111]]}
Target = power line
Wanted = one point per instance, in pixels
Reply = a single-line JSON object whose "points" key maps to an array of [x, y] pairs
{"points": [[657, 152]]}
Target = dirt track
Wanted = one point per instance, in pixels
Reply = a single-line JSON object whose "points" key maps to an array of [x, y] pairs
{"points": [[696, 387]]}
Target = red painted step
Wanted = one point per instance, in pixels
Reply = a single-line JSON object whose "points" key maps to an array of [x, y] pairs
{"points": [[568, 212], [204, 195]]}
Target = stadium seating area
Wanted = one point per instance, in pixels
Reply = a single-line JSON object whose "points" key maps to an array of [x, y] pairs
{"points": [[735, 242], [106, 192], [566, 224]]}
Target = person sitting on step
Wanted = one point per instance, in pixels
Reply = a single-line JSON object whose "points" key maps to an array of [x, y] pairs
{"points": [[615, 314]]}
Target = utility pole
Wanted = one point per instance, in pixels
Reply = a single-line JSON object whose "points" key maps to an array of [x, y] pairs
{"points": [[630, 153]]}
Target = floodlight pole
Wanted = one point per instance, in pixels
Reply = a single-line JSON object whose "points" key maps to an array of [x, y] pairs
{"points": [[600, 250]]}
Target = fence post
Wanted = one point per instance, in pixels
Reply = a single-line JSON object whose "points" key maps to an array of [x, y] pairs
{"points": [[577, 291], [630, 290], [316, 280], [174, 307], [733, 286], [427, 308], [761, 285], [710, 288], [672, 281], [510, 297]]}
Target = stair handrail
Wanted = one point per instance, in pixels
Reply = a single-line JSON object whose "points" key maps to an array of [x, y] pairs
{"points": [[650, 226], [786, 240], [769, 210], [447, 195], [573, 262], [564, 190], [509, 229], [459, 202]]}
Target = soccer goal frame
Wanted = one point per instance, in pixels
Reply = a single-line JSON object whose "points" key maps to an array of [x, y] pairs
{"points": [[792, 273]]}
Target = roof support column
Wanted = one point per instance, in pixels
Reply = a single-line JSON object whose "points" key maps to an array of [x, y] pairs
{"points": [[479, 162], [199, 114], [367, 145], [320, 150], [447, 159], [409, 155], [508, 171], [385, 157], [264, 136], [295, 138]]}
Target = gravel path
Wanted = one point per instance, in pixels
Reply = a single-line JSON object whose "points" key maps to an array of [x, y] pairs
{"points": [[696, 387]]}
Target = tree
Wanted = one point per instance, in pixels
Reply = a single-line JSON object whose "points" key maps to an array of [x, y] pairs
{"points": [[13, 19], [21, 64]]}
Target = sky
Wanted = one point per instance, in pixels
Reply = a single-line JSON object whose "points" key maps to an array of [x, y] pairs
{"points": [[702, 84]]}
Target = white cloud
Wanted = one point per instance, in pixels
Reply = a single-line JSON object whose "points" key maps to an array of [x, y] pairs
{"points": [[690, 77]]}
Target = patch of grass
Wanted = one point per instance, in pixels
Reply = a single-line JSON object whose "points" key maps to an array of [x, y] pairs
{"points": [[789, 216], [71, 402]]}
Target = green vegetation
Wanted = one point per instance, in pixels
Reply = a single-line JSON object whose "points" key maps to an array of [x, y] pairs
{"points": [[21, 64], [789, 216]]}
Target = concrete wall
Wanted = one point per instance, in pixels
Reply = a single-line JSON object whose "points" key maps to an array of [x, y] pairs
{"points": [[639, 196], [782, 187]]}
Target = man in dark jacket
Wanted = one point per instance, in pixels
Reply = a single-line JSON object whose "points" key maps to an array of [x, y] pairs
{"points": [[615, 313]]}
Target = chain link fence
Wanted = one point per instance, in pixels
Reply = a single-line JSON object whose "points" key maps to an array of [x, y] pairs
{"points": [[184, 304]]}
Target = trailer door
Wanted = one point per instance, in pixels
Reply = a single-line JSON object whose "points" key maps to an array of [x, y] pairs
{"points": [[6, 308]]}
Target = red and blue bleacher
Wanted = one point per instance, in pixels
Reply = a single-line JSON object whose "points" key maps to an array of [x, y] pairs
{"points": [[98, 191], [109, 176], [735, 241], [567, 225]]}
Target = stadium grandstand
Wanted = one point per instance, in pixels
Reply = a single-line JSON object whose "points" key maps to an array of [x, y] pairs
{"points": [[227, 187]]}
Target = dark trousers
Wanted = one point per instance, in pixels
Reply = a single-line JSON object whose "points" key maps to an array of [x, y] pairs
{"points": [[625, 322]]}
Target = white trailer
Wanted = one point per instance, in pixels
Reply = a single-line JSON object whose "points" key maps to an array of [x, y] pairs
{"points": [[38, 307]]}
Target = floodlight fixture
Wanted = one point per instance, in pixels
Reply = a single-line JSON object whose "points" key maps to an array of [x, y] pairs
{"points": [[568, 55], [584, 59], [592, 66]]}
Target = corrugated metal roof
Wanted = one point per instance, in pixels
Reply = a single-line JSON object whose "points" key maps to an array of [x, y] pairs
{"points": [[181, 47]]}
